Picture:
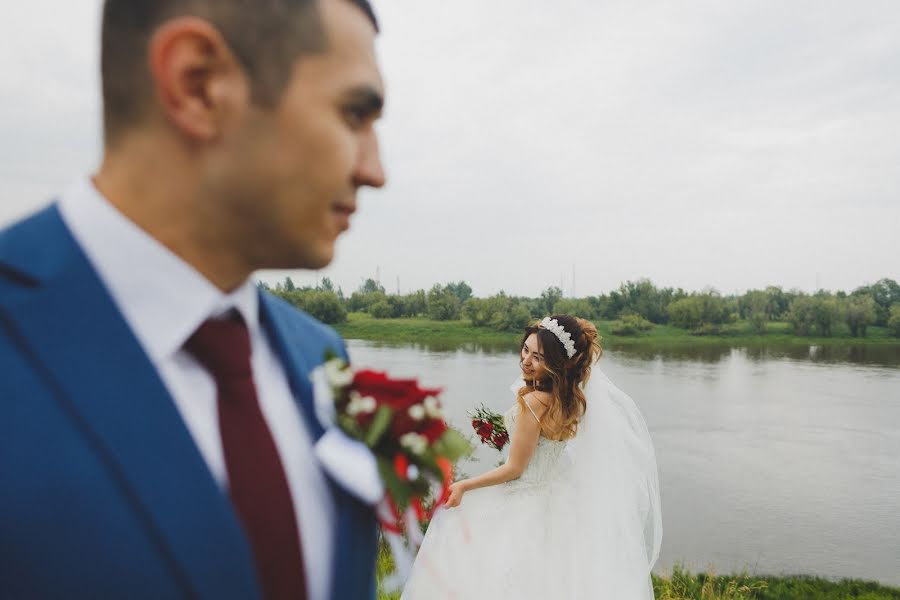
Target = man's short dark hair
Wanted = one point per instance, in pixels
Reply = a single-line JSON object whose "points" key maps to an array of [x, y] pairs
{"points": [[266, 36]]}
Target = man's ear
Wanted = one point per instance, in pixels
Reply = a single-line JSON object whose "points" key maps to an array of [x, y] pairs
{"points": [[199, 84]]}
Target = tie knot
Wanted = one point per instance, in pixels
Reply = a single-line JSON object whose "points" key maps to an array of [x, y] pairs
{"points": [[222, 346]]}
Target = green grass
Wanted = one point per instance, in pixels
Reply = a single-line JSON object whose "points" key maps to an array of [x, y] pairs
{"points": [[447, 335], [683, 585]]}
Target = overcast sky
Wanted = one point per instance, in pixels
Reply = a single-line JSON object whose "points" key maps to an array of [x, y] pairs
{"points": [[697, 143]]}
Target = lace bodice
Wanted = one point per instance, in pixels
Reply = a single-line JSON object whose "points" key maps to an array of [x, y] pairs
{"points": [[545, 462]]}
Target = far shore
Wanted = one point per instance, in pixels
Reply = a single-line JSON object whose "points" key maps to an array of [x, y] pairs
{"points": [[461, 333]]}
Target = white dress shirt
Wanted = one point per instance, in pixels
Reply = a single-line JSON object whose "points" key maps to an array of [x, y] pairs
{"points": [[164, 300]]}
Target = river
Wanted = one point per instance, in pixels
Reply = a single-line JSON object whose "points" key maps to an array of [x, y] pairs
{"points": [[771, 460]]}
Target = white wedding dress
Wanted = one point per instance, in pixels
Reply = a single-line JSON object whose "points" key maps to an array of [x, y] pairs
{"points": [[582, 522]]}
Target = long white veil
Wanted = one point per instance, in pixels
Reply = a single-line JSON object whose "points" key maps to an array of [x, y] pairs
{"points": [[616, 503]]}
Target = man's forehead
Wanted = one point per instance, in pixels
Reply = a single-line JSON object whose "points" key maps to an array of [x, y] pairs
{"points": [[350, 47]]}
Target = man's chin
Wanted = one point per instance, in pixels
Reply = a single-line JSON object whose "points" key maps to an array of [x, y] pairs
{"points": [[320, 258], [300, 258]]}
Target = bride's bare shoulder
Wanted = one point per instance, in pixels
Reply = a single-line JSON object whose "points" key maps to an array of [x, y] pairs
{"points": [[538, 400]]}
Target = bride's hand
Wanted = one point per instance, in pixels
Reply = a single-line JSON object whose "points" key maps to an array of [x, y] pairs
{"points": [[456, 494]]}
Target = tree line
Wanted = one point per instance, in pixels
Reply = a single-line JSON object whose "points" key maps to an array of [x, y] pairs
{"points": [[634, 307]]}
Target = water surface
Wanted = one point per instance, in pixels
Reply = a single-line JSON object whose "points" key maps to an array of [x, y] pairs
{"points": [[772, 460]]}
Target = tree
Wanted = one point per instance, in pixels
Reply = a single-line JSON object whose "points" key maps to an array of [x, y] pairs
{"points": [[381, 310], [707, 308], [499, 312], [578, 307], [443, 304], [860, 312], [361, 301], [886, 293], [686, 313], [643, 298], [461, 290], [325, 306], [757, 306], [820, 311], [802, 315], [326, 285], [827, 311], [289, 285], [778, 303], [894, 320], [415, 304], [549, 298], [370, 286]]}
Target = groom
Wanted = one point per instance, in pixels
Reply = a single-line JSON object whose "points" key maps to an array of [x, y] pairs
{"points": [[157, 433]]}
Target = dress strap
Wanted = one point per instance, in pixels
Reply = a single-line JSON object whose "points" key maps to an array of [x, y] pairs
{"points": [[533, 414]]}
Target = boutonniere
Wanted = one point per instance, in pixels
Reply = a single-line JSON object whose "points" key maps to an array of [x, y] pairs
{"points": [[402, 427]]}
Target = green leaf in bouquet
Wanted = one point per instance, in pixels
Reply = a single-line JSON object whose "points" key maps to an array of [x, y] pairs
{"points": [[380, 423], [453, 445], [350, 426], [397, 489]]}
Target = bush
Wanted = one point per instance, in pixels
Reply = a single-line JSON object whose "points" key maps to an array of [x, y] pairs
{"points": [[443, 304], [699, 309], [894, 320], [577, 307], [361, 301], [381, 310], [859, 313], [819, 311], [707, 329], [325, 306], [500, 313], [630, 325]]}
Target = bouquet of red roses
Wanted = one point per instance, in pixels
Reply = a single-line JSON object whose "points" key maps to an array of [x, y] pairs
{"points": [[403, 425], [489, 427]]}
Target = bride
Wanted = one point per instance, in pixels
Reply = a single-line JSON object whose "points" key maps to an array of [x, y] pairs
{"points": [[574, 512]]}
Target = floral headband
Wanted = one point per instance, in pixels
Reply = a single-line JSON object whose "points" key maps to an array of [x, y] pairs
{"points": [[553, 326]]}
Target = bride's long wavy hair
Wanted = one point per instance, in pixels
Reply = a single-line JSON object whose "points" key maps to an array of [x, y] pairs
{"points": [[564, 378]]}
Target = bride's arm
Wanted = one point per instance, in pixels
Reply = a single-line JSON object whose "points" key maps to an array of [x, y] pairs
{"points": [[522, 446]]}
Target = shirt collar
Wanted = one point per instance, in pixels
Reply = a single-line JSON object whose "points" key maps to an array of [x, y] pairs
{"points": [[162, 297]]}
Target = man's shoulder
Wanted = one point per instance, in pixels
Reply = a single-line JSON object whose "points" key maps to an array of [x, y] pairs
{"points": [[30, 247], [300, 322]]}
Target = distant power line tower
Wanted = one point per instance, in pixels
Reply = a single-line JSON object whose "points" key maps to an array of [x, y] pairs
{"points": [[378, 275]]}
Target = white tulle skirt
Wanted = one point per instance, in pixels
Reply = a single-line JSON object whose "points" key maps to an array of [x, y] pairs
{"points": [[507, 541], [586, 526]]}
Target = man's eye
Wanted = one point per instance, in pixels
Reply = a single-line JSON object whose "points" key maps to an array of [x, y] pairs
{"points": [[355, 116]]}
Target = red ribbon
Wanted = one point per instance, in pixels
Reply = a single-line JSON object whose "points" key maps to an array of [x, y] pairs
{"points": [[401, 467]]}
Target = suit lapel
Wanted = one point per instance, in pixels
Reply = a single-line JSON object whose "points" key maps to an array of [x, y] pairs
{"points": [[297, 353], [301, 350], [101, 376]]}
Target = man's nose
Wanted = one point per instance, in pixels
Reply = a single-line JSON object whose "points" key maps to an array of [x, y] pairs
{"points": [[369, 170]]}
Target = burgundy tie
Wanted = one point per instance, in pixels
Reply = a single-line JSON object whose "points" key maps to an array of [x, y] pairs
{"points": [[256, 479]]}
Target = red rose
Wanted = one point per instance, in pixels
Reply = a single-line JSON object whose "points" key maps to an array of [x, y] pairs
{"points": [[500, 440], [401, 466], [398, 394], [475, 423], [434, 430], [485, 430]]}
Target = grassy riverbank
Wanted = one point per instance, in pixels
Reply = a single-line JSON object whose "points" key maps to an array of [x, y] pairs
{"points": [[459, 333], [681, 585]]}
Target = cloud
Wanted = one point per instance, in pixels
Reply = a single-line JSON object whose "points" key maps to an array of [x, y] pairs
{"points": [[697, 143]]}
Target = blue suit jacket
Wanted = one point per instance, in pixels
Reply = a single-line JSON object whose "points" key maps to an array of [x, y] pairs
{"points": [[103, 493]]}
